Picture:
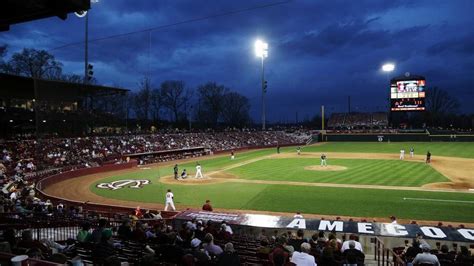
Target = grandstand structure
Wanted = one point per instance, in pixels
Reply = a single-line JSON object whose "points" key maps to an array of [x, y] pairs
{"points": [[38, 106]]}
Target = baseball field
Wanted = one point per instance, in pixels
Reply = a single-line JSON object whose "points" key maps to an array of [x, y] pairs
{"points": [[361, 180]]}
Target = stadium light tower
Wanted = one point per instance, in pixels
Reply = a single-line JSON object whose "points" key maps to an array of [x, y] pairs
{"points": [[388, 67], [261, 50]]}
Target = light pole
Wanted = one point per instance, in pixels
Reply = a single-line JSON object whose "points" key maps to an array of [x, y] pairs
{"points": [[388, 68], [261, 50]]}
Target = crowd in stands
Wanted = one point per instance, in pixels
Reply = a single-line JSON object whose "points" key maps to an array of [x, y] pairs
{"points": [[145, 240], [358, 120], [24, 156], [420, 252]]}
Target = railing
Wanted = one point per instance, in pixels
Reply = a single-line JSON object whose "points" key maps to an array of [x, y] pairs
{"points": [[382, 255], [60, 227]]}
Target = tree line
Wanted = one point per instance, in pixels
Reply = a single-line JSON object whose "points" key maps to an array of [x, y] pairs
{"points": [[210, 104]]}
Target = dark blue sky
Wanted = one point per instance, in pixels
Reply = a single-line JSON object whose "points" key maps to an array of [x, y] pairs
{"points": [[320, 52]]}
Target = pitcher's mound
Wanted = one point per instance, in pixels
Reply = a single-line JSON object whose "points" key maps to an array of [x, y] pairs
{"points": [[326, 168]]}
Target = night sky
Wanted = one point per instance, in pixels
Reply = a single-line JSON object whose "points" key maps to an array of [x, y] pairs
{"points": [[320, 52]]}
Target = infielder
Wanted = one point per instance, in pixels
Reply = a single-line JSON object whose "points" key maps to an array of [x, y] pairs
{"points": [[402, 154], [298, 150], [232, 155], [169, 200], [198, 171], [323, 160], [412, 152]]}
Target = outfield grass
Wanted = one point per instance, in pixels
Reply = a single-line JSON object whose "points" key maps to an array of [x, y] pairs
{"points": [[310, 199], [359, 171], [450, 149], [306, 199]]}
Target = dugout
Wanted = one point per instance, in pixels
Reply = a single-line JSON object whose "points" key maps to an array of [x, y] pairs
{"points": [[31, 106]]}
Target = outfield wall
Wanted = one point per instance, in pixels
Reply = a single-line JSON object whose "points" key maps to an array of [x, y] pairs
{"points": [[381, 137]]}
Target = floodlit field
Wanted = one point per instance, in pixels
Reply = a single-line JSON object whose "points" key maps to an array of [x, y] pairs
{"points": [[369, 181]]}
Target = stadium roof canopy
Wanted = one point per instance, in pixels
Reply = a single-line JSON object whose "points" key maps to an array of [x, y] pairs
{"points": [[18, 11]]}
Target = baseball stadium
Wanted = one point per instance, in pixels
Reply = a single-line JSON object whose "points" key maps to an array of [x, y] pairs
{"points": [[192, 172]]}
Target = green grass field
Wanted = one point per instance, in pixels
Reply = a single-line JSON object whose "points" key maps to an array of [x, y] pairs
{"points": [[360, 172], [450, 149], [313, 199]]}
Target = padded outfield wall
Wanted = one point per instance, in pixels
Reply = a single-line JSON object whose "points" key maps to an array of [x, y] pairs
{"points": [[381, 137]]}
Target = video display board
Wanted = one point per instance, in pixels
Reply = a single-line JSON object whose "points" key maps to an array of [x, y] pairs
{"points": [[407, 95]]}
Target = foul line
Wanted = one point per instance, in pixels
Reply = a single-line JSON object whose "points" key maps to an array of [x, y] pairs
{"points": [[440, 200]]}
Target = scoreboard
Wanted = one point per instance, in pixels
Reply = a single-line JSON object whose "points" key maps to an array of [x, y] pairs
{"points": [[408, 94]]}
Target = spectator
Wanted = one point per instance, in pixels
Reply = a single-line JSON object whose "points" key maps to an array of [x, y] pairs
{"points": [[28, 242], [464, 258], [352, 238], [125, 231], [352, 255], [426, 257], [104, 248], [228, 257], [210, 247], [199, 253], [303, 258], [279, 255], [84, 235], [413, 250], [331, 254], [264, 249], [97, 233], [207, 206], [296, 242], [444, 256]]}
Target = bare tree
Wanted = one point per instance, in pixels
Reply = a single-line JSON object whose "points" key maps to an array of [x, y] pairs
{"points": [[174, 97], [142, 100], [236, 109], [33, 63], [440, 104], [210, 107], [155, 105], [72, 78]]}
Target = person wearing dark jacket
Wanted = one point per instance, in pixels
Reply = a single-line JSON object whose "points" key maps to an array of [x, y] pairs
{"points": [[353, 255], [229, 257]]}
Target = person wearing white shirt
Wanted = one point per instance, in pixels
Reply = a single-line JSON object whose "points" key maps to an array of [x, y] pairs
{"points": [[303, 258], [169, 200], [346, 243], [198, 171]]}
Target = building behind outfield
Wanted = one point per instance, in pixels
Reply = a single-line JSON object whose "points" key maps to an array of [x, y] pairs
{"points": [[37, 106]]}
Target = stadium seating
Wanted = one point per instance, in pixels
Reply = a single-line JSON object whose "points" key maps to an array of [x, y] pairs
{"points": [[359, 121]]}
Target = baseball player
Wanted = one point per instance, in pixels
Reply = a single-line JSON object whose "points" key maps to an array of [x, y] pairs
{"points": [[402, 154], [412, 152], [175, 170], [198, 171], [184, 175], [428, 157], [232, 155], [169, 200], [278, 148], [323, 160], [298, 150]]}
